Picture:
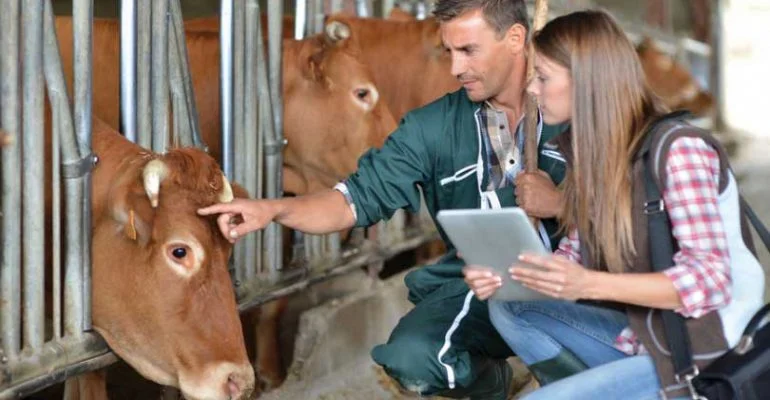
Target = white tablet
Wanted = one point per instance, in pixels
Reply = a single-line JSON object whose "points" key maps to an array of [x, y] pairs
{"points": [[495, 238]]}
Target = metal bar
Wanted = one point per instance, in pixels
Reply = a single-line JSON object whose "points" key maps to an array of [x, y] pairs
{"points": [[33, 146], [160, 91], [300, 18], [143, 78], [333, 245], [10, 164], [717, 63], [238, 139], [387, 7], [362, 8], [274, 127], [159, 79], [75, 202], [250, 132], [226, 84], [192, 109], [82, 17], [128, 69], [56, 218], [259, 292], [182, 134], [56, 362], [422, 10]]}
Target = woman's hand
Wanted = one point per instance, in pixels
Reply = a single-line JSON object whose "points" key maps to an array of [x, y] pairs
{"points": [[482, 281], [555, 276]]}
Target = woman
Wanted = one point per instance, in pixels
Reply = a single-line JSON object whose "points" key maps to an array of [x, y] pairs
{"points": [[588, 74]]}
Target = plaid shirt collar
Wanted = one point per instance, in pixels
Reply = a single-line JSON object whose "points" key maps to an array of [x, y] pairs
{"points": [[504, 155]]}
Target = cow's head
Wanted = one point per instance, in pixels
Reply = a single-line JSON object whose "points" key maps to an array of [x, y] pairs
{"points": [[327, 85], [162, 295], [422, 73], [672, 81]]}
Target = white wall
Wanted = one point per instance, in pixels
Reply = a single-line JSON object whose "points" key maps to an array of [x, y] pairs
{"points": [[746, 70]]}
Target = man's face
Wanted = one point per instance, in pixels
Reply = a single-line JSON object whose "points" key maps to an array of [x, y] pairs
{"points": [[482, 60]]}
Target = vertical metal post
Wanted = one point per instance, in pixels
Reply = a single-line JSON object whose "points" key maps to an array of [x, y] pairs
{"points": [[422, 10], [127, 69], [10, 164], [33, 145], [226, 84], [252, 34], [717, 64], [77, 209], [300, 18], [82, 17], [362, 8], [272, 127], [190, 111], [56, 217], [387, 7], [143, 80], [160, 93]]}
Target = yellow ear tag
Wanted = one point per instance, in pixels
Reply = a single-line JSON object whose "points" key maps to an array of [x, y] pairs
{"points": [[131, 228]]}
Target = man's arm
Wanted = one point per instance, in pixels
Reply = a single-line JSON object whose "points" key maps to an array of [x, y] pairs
{"points": [[318, 213]]}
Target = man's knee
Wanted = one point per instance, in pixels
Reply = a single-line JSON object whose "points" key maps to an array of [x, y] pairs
{"points": [[410, 359]]}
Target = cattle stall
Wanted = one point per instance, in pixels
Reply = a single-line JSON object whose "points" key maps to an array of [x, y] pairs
{"points": [[38, 348]]}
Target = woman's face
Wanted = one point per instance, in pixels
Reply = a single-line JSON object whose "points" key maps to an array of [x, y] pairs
{"points": [[552, 87]]}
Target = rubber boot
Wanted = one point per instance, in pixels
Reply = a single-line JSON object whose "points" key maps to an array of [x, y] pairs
{"points": [[493, 383], [563, 365]]}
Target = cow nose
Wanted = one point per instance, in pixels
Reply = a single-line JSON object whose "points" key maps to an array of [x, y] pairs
{"points": [[240, 384]]}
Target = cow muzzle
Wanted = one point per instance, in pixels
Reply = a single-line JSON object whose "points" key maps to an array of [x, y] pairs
{"points": [[224, 381]]}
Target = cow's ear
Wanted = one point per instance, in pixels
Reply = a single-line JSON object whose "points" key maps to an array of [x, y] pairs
{"points": [[131, 211], [315, 66]]}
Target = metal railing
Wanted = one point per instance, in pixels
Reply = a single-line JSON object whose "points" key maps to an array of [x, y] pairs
{"points": [[37, 349]]}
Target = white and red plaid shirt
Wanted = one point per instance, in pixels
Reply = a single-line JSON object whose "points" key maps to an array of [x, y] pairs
{"points": [[701, 271]]}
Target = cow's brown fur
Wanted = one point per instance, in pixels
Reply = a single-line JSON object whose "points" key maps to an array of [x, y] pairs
{"points": [[421, 73], [171, 329], [671, 81]]}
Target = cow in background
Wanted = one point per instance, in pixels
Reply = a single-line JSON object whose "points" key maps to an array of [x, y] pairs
{"points": [[332, 112], [408, 60], [673, 82], [162, 297], [423, 70]]}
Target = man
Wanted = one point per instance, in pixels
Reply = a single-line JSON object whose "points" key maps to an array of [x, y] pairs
{"points": [[464, 151]]}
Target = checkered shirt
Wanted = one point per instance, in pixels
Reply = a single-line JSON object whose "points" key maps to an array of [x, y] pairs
{"points": [[701, 271], [503, 153]]}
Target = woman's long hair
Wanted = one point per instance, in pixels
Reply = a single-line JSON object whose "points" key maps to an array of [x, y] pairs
{"points": [[611, 105]]}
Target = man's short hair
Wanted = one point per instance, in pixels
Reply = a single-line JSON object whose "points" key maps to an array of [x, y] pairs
{"points": [[500, 14]]}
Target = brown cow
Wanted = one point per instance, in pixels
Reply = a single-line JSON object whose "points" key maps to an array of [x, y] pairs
{"points": [[331, 115], [422, 72], [407, 58], [671, 81], [331, 108], [162, 295]]}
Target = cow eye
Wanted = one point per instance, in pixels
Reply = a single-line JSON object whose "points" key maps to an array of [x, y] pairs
{"points": [[179, 252], [362, 93]]}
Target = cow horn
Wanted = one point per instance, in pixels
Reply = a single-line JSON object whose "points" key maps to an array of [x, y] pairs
{"points": [[154, 173], [336, 31], [227, 191]]}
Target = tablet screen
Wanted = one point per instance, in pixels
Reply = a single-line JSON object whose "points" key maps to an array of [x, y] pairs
{"points": [[495, 238]]}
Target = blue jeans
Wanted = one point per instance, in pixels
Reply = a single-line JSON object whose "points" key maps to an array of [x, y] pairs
{"points": [[539, 330]]}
